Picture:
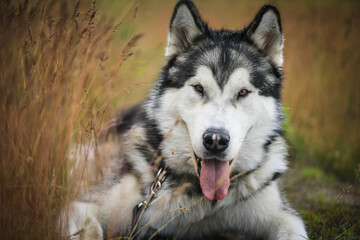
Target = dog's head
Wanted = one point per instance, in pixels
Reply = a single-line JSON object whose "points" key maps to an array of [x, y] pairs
{"points": [[225, 88]]}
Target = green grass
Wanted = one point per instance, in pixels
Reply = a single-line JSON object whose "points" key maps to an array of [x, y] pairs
{"points": [[331, 221], [330, 208], [313, 173]]}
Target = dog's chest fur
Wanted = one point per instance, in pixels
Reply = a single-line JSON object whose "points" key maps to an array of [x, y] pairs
{"points": [[195, 217]]}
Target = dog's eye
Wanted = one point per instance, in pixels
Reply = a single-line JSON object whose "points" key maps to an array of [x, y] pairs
{"points": [[198, 88], [243, 92]]}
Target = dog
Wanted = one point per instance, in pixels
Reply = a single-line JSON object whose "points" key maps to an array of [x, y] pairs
{"points": [[201, 157]]}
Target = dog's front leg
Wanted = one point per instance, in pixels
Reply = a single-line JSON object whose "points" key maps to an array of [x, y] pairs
{"points": [[281, 222], [287, 225], [266, 215]]}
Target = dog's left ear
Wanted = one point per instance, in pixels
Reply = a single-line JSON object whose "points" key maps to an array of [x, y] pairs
{"points": [[185, 26], [266, 33]]}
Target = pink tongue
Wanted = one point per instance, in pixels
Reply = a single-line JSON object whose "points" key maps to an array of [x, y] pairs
{"points": [[214, 179]]}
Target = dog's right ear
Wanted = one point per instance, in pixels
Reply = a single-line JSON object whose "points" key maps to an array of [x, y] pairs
{"points": [[185, 26]]}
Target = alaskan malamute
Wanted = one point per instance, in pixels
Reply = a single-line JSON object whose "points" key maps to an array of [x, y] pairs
{"points": [[201, 157]]}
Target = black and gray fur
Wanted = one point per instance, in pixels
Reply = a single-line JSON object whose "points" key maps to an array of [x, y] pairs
{"points": [[154, 134]]}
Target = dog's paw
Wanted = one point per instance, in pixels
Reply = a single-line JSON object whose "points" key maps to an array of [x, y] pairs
{"points": [[78, 221], [296, 234], [91, 230]]}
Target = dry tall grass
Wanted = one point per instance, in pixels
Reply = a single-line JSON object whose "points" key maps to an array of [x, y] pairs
{"points": [[57, 84]]}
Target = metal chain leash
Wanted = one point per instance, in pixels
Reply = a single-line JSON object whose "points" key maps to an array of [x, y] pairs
{"points": [[141, 207]]}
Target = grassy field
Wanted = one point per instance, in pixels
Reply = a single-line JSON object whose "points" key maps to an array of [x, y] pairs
{"points": [[66, 66]]}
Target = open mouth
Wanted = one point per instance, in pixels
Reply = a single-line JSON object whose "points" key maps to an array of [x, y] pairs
{"points": [[214, 177]]}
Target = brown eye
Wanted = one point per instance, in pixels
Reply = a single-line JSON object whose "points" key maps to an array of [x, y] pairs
{"points": [[198, 88], [243, 92]]}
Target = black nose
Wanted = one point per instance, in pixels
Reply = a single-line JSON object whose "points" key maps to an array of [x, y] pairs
{"points": [[216, 140]]}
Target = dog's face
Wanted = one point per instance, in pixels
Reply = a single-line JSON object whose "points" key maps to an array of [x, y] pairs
{"points": [[224, 86]]}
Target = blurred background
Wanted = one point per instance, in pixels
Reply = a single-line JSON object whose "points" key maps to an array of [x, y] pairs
{"points": [[322, 85], [66, 67]]}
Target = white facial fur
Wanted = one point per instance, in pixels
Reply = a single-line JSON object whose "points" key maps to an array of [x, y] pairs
{"points": [[218, 109]]}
